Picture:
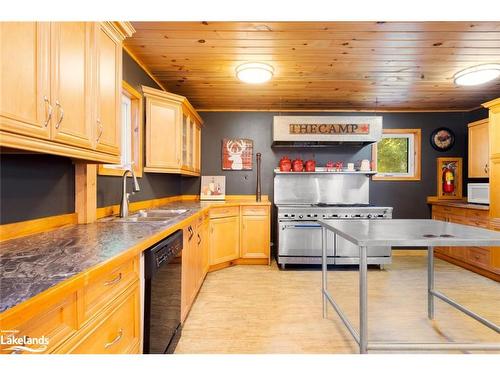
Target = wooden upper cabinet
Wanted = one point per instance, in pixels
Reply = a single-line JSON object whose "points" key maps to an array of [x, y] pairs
{"points": [[25, 82], [71, 82], [171, 123], [63, 81], [478, 166], [107, 123]]}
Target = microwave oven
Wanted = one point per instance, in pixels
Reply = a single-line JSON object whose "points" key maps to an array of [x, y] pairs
{"points": [[478, 193]]}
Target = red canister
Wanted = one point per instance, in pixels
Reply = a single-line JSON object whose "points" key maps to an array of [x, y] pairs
{"points": [[298, 165], [285, 164], [310, 166]]}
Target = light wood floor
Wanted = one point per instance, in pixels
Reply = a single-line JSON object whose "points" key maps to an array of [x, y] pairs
{"points": [[260, 309]]}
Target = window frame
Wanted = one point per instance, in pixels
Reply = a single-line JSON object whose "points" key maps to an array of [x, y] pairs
{"points": [[136, 140], [417, 157]]}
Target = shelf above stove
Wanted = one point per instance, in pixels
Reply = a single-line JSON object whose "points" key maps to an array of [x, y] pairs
{"points": [[322, 170]]}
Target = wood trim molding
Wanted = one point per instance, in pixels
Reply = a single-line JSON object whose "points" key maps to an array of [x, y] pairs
{"points": [[143, 67], [418, 156], [85, 192], [478, 122], [137, 123], [25, 228], [28, 143], [373, 110]]}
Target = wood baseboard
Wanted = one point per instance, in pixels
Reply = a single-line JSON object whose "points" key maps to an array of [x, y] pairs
{"points": [[470, 267], [25, 228], [239, 261]]}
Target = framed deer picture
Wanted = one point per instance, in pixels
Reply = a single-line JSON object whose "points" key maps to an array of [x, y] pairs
{"points": [[237, 154]]}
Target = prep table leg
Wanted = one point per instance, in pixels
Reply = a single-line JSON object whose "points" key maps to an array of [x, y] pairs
{"points": [[324, 270], [363, 300], [430, 282]]}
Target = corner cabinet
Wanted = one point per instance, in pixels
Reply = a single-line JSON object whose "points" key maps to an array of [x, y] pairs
{"points": [[61, 84], [478, 149], [173, 134]]}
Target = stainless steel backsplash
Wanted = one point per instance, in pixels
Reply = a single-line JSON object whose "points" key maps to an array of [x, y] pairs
{"points": [[325, 188]]}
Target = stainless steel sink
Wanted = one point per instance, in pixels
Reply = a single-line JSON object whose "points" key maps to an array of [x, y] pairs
{"points": [[161, 213], [157, 215]]}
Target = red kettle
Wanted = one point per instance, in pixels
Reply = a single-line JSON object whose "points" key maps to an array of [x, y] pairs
{"points": [[285, 164]]}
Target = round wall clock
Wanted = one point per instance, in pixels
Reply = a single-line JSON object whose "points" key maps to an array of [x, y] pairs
{"points": [[442, 139]]}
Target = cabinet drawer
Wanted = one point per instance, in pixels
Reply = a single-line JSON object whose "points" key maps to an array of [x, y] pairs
{"points": [[449, 210], [117, 332], [478, 256], [105, 286], [224, 212], [254, 210], [56, 322], [478, 214], [478, 222], [457, 252]]}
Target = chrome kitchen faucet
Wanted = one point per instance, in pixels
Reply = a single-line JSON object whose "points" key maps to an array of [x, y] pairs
{"points": [[125, 195]]}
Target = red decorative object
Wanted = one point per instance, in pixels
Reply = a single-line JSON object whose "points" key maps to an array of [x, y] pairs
{"points": [[310, 166], [449, 178], [330, 165], [298, 165], [285, 164], [237, 154]]}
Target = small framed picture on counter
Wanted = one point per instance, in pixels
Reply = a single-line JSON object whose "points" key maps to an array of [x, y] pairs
{"points": [[213, 188]]}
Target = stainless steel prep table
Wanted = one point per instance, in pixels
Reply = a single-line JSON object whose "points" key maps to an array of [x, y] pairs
{"points": [[405, 233]]}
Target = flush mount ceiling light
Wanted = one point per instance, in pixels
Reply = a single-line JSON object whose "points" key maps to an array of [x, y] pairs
{"points": [[477, 75], [254, 72]]}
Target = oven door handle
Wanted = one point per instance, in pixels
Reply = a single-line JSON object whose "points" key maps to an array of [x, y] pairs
{"points": [[302, 226]]}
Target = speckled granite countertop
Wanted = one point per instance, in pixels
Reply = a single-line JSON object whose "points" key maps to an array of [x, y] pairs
{"points": [[32, 264]]}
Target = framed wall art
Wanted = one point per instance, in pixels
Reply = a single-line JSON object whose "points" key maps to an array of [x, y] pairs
{"points": [[213, 188], [449, 178], [237, 154]]}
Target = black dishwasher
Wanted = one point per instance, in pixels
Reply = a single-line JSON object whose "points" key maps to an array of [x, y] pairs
{"points": [[162, 295]]}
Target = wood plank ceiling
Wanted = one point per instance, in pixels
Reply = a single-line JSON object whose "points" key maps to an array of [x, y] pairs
{"points": [[320, 66]]}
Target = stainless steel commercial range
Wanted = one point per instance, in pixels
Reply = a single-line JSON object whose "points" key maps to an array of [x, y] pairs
{"points": [[302, 199]]}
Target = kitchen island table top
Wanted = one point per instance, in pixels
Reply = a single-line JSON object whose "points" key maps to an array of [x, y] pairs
{"points": [[411, 232]]}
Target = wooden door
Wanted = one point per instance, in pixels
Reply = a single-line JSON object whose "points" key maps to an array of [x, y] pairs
{"points": [[189, 273], [107, 122], [255, 237], [25, 78], [71, 82], [224, 239], [205, 245], [478, 149], [163, 126]]}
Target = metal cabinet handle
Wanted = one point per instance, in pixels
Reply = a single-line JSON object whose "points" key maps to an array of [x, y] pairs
{"points": [[61, 111], [199, 239], [115, 340], [49, 114], [486, 168], [114, 281], [101, 128], [191, 233]]}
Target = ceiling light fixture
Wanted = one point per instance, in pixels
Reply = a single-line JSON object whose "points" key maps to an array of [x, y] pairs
{"points": [[254, 72], [477, 75]]}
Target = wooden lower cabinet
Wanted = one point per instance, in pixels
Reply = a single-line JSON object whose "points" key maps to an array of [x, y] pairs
{"points": [[255, 233], [117, 330], [224, 239], [98, 312], [477, 259]]}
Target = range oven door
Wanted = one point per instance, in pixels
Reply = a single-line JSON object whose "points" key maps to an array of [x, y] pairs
{"points": [[302, 239]]}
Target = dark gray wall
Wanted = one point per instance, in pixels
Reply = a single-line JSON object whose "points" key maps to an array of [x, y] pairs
{"points": [[408, 198], [34, 186], [153, 185]]}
